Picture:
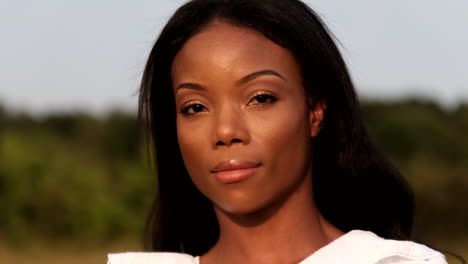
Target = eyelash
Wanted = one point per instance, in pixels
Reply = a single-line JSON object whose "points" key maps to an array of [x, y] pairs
{"points": [[270, 98], [186, 108]]}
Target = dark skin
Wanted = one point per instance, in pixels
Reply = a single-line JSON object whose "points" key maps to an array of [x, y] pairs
{"points": [[240, 100]]}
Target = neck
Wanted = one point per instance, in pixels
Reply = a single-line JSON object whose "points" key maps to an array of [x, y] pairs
{"points": [[287, 232]]}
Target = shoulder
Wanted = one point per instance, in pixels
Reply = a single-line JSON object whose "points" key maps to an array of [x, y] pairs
{"points": [[150, 258], [386, 251], [365, 247]]}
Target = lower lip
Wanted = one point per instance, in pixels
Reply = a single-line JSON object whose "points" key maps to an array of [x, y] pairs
{"points": [[233, 176]]}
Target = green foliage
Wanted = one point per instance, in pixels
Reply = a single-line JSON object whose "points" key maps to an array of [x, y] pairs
{"points": [[430, 147], [72, 176], [75, 176]]}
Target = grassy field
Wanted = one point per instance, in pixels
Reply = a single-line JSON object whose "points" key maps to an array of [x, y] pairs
{"points": [[61, 253]]}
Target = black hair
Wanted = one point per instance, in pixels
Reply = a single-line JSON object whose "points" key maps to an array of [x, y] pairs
{"points": [[355, 185]]}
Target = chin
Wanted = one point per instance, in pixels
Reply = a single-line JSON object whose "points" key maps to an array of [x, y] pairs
{"points": [[243, 205], [238, 209]]}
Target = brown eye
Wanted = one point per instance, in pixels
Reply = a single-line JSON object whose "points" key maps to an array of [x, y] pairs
{"points": [[262, 98], [193, 108]]}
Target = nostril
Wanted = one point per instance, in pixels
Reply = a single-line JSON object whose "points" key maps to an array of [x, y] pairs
{"points": [[235, 140]]}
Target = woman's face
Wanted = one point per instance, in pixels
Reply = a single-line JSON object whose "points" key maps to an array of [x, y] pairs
{"points": [[243, 123]]}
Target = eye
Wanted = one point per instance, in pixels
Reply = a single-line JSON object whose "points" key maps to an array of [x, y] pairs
{"points": [[193, 108], [262, 98]]}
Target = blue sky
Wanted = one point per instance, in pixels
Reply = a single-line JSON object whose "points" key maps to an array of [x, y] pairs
{"points": [[60, 55]]}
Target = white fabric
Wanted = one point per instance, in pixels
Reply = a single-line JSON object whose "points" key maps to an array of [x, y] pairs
{"points": [[355, 247], [152, 258]]}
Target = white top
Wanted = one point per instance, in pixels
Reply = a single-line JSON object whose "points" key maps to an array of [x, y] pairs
{"points": [[354, 247]]}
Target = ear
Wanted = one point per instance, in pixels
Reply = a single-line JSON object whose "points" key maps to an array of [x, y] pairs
{"points": [[316, 115]]}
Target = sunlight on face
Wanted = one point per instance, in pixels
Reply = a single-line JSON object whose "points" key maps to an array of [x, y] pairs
{"points": [[243, 124]]}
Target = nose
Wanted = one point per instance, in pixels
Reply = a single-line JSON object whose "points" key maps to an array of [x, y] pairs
{"points": [[230, 127]]}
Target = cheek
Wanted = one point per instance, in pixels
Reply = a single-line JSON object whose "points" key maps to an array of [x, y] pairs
{"points": [[190, 141], [285, 126], [285, 139], [194, 145]]}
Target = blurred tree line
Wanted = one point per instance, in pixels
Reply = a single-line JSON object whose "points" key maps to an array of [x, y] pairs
{"points": [[430, 147], [74, 176], [71, 176]]}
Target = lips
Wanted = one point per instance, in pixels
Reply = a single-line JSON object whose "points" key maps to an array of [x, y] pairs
{"points": [[233, 171]]}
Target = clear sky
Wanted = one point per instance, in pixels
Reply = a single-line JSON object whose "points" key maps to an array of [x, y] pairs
{"points": [[89, 55]]}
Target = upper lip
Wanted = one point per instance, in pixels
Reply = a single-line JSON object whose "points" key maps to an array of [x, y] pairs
{"points": [[229, 165]]}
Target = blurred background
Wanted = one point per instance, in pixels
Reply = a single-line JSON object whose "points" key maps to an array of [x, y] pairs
{"points": [[74, 183]]}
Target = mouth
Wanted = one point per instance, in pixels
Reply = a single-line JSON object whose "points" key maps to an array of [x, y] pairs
{"points": [[233, 171]]}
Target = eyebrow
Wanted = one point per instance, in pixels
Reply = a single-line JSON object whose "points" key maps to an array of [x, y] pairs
{"points": [[193, 86], [240, 82], [257, 74]]}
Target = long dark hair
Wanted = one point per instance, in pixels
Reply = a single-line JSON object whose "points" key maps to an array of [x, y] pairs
{"points": [[355, 185]]}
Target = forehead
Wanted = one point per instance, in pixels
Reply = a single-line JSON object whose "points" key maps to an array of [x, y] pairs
{"points": [[236, 49]]}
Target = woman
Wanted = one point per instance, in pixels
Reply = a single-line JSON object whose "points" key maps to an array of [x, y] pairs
{"points": [[261, 151]]}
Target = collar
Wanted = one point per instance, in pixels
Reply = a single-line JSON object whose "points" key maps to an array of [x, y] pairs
{"points": [[365, 247]]}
